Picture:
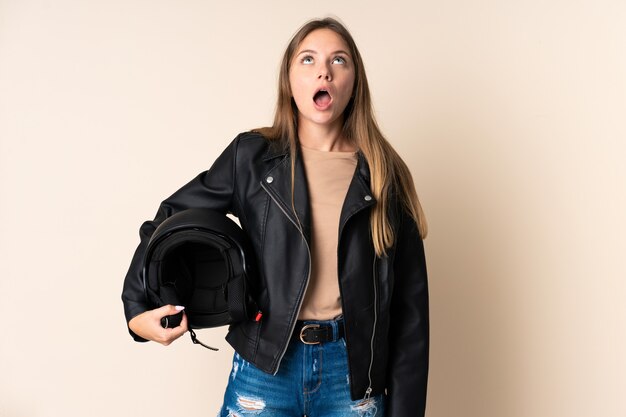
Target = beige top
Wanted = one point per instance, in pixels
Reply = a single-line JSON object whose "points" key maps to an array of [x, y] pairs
{"points": [[328, 176]]}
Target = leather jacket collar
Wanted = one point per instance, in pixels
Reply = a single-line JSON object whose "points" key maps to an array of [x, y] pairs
{"points": [[358, 197]]}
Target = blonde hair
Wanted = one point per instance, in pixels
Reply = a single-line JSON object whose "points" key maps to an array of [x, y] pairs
{"points": [[388, 172]]}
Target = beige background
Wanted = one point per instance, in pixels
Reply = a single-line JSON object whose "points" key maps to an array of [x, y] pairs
{"points": [[510, 115]]}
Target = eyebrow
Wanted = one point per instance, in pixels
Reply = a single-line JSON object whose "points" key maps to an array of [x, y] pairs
{"points": [[311, 51]]}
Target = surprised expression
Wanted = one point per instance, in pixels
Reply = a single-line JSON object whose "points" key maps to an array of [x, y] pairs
{"points": [[321, 77]]}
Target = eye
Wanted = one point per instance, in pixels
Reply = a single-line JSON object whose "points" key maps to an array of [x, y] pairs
{"points": [[339, 60], [308, 59]]}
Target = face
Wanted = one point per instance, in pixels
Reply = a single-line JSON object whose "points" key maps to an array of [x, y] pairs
{"points": [[321, 78]]}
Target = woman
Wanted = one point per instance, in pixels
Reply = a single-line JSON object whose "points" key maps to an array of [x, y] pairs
{"points": [[337, 229]]}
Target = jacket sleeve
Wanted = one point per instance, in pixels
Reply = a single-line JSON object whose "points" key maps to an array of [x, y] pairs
{"points": [[407, 376], [211, 189]]}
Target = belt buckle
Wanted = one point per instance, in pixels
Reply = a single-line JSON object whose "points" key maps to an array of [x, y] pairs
{"points": [[305, 327]]}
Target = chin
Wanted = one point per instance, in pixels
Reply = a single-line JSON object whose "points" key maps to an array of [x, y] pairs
{"points": [[323, 119]]}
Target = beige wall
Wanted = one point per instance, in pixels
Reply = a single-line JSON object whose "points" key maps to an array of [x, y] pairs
{"points": [[510, 114]]}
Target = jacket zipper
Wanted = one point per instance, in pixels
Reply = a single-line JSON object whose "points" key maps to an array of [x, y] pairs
{"points": [[308, 276], [368, 391]]}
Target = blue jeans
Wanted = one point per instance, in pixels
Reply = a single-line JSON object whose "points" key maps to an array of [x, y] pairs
{"points": [[313, 381]]}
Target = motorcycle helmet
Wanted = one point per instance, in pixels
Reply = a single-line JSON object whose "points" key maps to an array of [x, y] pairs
{"points": [[203, 260]]}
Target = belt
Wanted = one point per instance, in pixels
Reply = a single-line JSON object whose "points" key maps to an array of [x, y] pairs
{"points": [[314, 333]]}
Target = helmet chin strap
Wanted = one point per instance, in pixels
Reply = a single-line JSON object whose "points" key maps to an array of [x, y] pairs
{"points": [[195, 340], [174, 321]]}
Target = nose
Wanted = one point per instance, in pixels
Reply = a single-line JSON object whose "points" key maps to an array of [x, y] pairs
{"points": [[325, 73]]}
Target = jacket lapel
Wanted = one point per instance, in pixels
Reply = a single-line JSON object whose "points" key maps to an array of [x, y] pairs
{"points": [[277, 182], [359, 195]]}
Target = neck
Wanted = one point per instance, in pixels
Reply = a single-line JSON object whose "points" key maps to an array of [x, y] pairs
{"points": [[326, 138]]}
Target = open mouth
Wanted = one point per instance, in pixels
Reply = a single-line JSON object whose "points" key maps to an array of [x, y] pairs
{"points": [[322, 98]]}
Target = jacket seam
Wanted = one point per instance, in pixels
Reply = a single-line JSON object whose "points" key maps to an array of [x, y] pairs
{"points": [[239, 212], [263, 235]]}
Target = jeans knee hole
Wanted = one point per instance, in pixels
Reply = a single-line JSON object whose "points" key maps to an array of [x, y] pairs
{"points": [[232, 413], [249, 405], [366, 408]]}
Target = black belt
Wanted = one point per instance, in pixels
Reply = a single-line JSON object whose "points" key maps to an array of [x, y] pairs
{"points": [[313, 333]]}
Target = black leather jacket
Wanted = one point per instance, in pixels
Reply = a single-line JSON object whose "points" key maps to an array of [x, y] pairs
{"points": [[384, 299]]}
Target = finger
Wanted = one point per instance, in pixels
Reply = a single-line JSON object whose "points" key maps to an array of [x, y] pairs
{"points": [[172, 334], [168, 310], [183, 322], [169, 334], [169, 313], [179, 330]]}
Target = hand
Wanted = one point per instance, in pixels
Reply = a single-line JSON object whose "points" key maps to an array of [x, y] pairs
{"points": [[148, 325]]}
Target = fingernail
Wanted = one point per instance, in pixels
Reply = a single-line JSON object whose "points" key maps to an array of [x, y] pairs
{"points": [[179, 308]]}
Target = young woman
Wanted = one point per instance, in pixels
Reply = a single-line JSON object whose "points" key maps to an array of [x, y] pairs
{"points": [[337, 229]]}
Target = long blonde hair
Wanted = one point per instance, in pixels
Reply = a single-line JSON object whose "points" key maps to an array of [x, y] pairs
{"points": [[387, 170]]}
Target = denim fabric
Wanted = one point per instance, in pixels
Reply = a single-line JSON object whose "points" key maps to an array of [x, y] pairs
{"points": [[312, 381]]}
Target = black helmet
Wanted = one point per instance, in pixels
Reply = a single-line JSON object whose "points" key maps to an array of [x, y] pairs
{"points": [[201, 259]]}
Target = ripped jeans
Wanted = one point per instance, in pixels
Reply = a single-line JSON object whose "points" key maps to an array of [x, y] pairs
{"points": [[313, 381]]}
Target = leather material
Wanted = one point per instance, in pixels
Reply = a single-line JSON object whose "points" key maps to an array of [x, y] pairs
{"points": [[384, 299]]}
